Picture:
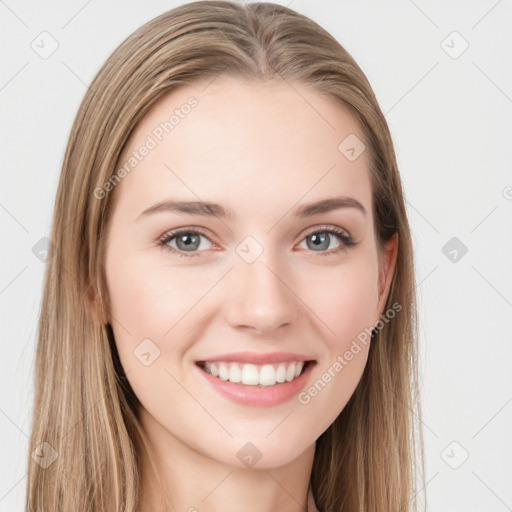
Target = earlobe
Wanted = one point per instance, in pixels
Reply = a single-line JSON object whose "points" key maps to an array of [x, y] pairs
{"points": [[387, 268]]}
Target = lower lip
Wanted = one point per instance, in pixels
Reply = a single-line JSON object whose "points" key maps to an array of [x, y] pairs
{"points": [[259, 396]]}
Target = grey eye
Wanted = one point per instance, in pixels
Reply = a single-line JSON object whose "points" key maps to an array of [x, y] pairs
{"points": [[320, 240], [187, 241]]}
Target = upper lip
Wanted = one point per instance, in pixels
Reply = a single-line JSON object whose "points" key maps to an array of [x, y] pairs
{"points": [[257, 358]]}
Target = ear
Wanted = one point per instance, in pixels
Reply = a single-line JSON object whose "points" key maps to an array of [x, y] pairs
{"points": [[387, 263]]}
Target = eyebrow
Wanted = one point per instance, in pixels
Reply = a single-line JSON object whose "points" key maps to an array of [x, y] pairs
{"points": [[216, 210]]}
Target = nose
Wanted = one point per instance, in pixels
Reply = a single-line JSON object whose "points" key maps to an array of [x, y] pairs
{"points": [[259, 297]]}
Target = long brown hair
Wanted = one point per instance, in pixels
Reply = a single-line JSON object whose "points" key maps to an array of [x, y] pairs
{"points": [[84, 408]]}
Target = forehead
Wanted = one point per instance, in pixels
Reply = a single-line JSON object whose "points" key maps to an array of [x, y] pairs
{"points": [[247, 143]]}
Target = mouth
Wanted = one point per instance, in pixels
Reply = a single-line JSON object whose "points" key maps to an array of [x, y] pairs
{"points": [[256, 375]]}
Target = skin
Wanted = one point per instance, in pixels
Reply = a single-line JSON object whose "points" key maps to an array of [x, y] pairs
{"points": [[261, 150]]}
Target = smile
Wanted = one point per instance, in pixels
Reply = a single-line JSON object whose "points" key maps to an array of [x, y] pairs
{"points": [[256, 385]]}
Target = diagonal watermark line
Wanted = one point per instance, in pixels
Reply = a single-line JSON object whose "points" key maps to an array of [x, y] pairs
{"points": [[95, 94], [216, 486], [424, 13], [431, 431], [199, 403], [300, 300], [492, 81], [424, 487], [12, 488], [291, 86], [14, 423], [216, 76], [404, 95], [279, 423], [413, 87], [284, 489], [493, 287], [423, 217], [75, 74], [109, 313], [492, 211], [13, 13], [12, 280], [14, 218], [115, 319], [198, 302], [428, 275], [485, 15], [302, 197], [75, 15], [503, 407], [491, 490], [14, 76]]}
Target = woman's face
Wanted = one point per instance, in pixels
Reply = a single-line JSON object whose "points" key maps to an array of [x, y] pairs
{"points": [[256, 281]]}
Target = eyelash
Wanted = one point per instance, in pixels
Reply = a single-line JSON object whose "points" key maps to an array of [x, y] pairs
{"points": [[346, 239]]}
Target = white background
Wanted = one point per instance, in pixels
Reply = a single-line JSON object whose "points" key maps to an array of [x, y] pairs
{"points": [[451, 120]]}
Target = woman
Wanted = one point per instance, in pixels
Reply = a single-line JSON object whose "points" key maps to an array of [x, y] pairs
{"points": [[228, 318]]}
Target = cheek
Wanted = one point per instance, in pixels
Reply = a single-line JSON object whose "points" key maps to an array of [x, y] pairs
{"points": [[151, 300], [151, 306], [135, 300], [344, 299], [147, 298], [352, 308]]}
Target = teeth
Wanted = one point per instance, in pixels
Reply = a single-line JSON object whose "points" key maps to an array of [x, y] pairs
{"points": [[250, 375], [267, 375], [223, 372], [290, 373], [235, 375], [254, 375], [281, 373]]}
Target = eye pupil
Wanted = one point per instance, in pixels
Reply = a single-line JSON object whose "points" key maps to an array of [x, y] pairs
{"points": [[191, 242], [319, 240]]}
